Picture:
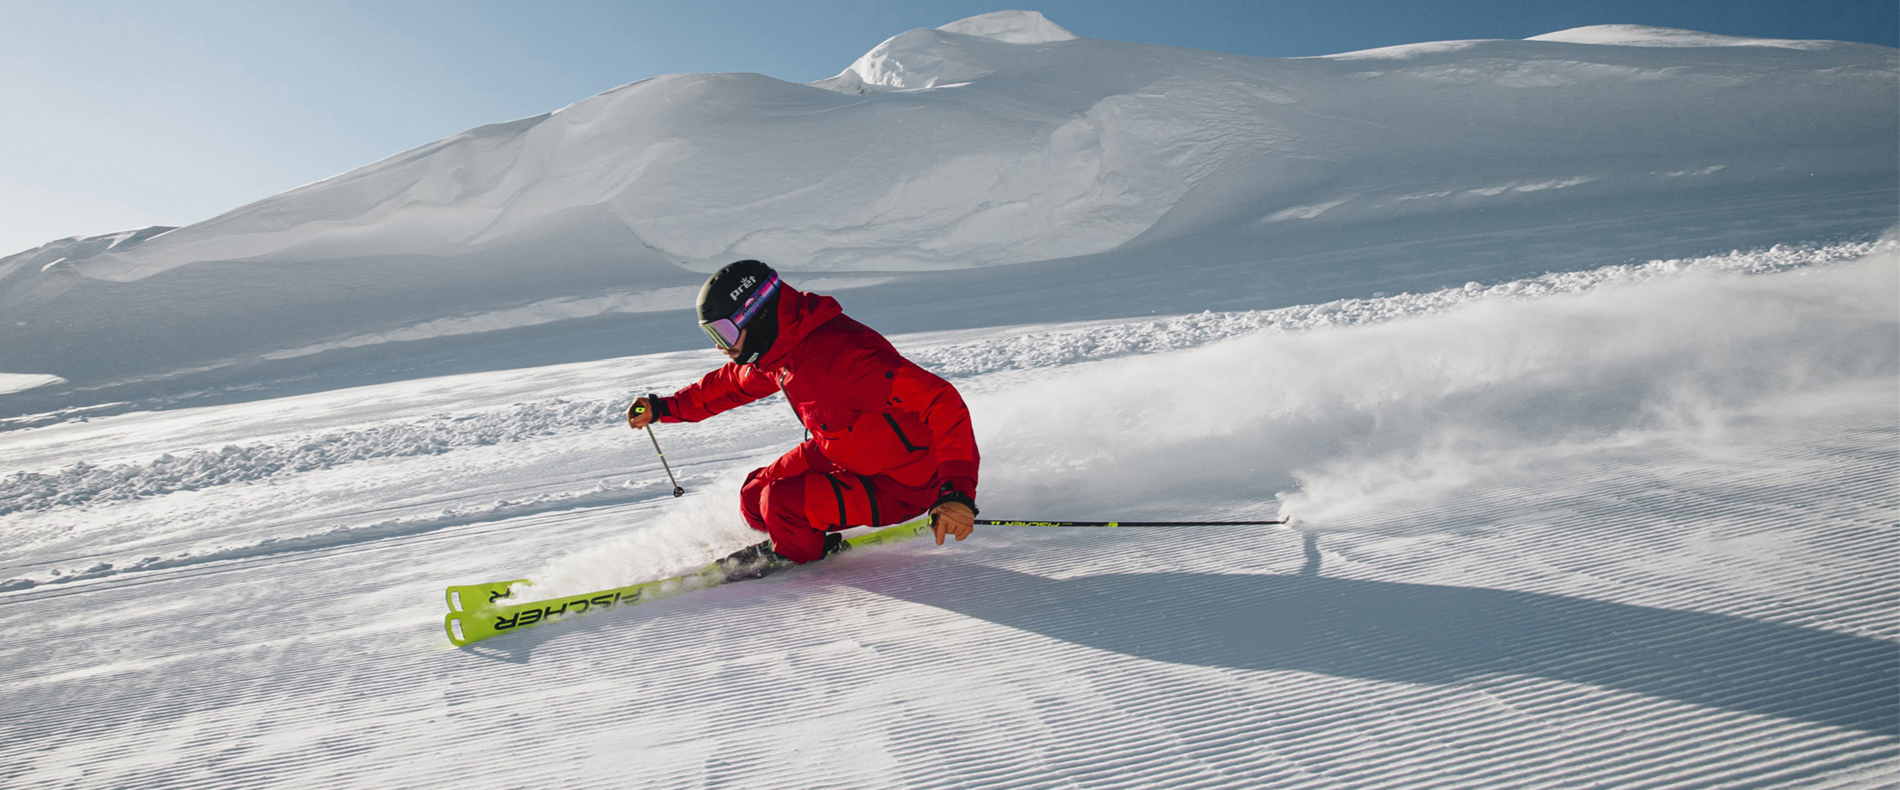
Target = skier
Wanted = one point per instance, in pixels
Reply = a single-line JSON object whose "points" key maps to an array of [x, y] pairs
{"points": [[888, 440]]}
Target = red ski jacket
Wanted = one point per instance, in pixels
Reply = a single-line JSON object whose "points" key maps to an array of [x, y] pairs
{"points": [[870, 411]]}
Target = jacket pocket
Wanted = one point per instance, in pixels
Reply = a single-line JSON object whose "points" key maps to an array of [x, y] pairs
{"points": [[903, 439], [881, 444]]}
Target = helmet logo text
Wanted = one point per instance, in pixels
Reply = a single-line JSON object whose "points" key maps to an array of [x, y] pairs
{"points": [[743, 284]]}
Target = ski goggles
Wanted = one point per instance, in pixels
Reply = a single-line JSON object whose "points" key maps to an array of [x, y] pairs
{"points": [[725, 331]]}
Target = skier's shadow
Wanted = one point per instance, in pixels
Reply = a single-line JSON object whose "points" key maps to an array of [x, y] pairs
{"points": [[507, 652], [517, 648], [1419, 633]]}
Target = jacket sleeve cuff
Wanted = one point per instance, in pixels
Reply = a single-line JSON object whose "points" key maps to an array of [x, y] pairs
{"points": [[661, 409], [958, 491], [962, 473]]}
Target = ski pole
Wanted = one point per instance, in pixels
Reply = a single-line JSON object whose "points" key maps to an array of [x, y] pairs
{"points": [[677, 491], [997, 522]]}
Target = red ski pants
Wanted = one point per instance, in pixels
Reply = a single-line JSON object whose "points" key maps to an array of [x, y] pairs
{"points": [[798, 510]]}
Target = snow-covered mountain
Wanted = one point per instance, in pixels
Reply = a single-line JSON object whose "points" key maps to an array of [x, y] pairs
{"points": [[1572, 510], [1001, 139]]}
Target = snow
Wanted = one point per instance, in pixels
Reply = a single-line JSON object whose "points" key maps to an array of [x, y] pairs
{"points": [[1528, 514], [20, 382], [993, 142], [1646, 36], [1011, 27], [925, 59], [1588, 416]]}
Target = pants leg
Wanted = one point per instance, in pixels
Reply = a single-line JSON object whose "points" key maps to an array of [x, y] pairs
{"points": [[797, 511], [752, 499]]}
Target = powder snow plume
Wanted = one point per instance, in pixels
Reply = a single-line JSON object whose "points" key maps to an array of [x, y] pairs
{"points": [[1338, 423], [701, 525]]}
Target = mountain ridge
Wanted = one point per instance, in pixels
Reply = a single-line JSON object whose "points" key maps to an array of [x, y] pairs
{"points": [[1042, 149]]}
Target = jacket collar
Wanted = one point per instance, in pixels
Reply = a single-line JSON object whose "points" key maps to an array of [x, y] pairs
{"points": [[799, 313]]}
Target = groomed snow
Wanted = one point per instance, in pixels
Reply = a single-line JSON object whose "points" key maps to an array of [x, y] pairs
{"points": [[1623, 526], [1574, 507]]}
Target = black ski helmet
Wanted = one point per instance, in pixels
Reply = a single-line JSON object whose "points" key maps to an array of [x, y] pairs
{"points": [[727, 301]]}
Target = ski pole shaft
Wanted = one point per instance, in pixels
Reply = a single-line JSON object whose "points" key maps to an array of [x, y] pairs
{"points": [[997, 522], [677, 490]]}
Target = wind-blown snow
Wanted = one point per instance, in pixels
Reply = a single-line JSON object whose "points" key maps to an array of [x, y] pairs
{"points": [[20, 382], [1645, 36], [1378, 418], [1011, 27], [925, 59]]}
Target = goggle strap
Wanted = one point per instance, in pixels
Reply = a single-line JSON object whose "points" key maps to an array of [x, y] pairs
{"points": [[757, 301], [739, 319]]}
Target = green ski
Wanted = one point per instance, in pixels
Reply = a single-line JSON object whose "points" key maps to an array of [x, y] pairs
{"points": [[464, 597], [479, 611]]}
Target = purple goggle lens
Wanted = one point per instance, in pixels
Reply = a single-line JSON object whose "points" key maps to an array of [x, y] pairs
{"points": [[725, 331]]}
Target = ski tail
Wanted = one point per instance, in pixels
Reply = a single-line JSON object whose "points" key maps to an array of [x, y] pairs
{"points": [[482, 622], [464, 597], [481, 611]]}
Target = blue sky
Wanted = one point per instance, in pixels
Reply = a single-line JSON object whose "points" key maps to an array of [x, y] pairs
{"points": [[124, 114]]}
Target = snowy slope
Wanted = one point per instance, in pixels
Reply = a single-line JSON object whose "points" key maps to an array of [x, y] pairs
{"points": [[1573, 509], [1631, 526], [997, 140]]}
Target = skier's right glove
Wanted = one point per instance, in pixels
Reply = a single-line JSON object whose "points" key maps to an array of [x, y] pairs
{"points": [[953, 514], [952, 519], [645, 410]]}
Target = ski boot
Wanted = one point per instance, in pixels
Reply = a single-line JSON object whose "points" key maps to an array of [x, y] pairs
{"points": [[759, 559], [834, 544], [753, 562]]}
